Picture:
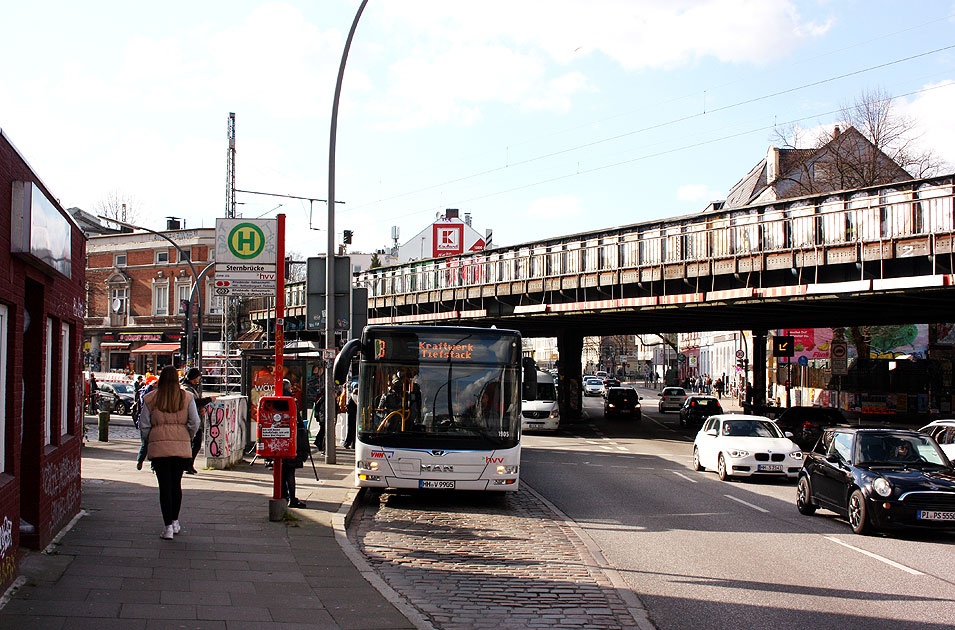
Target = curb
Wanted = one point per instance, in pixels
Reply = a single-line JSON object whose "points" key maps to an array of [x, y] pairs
{"points": [[637, 610], [340, 522]]}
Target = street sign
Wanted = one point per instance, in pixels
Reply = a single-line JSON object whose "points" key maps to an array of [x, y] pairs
{"points": [[784, 346], [839, 358], [740, 354], [246, 257], [682, 358], [329, 353]]}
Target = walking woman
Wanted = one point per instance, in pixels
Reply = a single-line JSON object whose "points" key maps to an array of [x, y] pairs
{"points": [[168, 422]]}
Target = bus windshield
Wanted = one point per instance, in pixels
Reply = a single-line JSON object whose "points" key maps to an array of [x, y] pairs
{"points": [[427, 392]]}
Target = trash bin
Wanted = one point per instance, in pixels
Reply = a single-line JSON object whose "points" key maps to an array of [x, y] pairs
{"points": [[104, 426]]}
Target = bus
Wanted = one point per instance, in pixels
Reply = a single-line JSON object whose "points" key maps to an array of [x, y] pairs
{"points": [[438, 407]]}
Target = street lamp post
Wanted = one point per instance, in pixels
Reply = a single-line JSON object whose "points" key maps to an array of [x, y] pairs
{"points": [[195, 276]]}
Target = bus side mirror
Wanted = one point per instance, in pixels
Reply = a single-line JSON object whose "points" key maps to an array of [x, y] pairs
{"points": [[343, 360], [529, 375]]}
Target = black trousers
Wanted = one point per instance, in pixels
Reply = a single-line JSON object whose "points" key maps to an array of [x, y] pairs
{"points": [[197, 443], [169, 474], [288, 479]]}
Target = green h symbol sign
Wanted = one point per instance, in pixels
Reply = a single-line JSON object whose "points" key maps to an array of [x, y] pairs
{"points": [[246, 241]]}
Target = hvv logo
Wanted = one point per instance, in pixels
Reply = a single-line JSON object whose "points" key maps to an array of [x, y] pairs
{"points": [[493, 460], [382, 454]]}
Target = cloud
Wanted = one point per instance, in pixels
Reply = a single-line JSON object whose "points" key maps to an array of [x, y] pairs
{"points": [[698, 193], [561, 207], [933, 110]]}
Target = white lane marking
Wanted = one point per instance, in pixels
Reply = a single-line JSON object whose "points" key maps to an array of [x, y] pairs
{"points": [[746, 503], [875, 556], [655, 421], [622, 448], [605, 447], [681, 475]]}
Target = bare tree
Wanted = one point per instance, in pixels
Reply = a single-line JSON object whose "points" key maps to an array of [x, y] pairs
{"points": [[119, 205], [873, 144], [296, 266]]}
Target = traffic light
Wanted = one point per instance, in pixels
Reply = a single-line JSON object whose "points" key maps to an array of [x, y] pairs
{"points": [[347, 234]]}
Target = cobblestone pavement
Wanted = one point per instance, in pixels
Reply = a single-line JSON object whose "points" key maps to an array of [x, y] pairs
{"points": [[477, 561]]}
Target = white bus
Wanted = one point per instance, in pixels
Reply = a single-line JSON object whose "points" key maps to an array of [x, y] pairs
{"points": [[438, 407]]}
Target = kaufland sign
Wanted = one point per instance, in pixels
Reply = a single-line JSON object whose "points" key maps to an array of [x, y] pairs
{"points": [[448, 239]]}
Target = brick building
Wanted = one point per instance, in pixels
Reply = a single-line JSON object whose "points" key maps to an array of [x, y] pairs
{"points": [[136, 283], [42, 277]]}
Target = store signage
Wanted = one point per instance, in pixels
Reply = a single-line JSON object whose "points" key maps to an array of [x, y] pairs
{"points": [[839, 358], [126, 337]]}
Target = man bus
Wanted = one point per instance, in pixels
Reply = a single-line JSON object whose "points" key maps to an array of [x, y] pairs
{"points": [[438, 407]]}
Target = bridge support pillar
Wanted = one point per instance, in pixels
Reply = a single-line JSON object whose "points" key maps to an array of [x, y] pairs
{"points": [[759, 369], [570, 347]]}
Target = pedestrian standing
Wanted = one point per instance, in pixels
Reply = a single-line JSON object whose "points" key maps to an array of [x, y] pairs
{"points": [[92, 393], [192, 383], [351, 408], [168, 422], [291, 464]]}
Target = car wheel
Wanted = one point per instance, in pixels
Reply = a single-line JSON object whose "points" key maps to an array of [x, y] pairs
{"points": [[696, 459], [804, 498], [858, 518], [721, 468]]}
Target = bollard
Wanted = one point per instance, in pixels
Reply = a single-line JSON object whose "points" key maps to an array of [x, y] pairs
{"points": [[104, 426]]}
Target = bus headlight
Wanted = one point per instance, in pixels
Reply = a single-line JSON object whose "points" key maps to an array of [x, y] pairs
{"points": [[367, 465], [507, 470], [555, 413]]}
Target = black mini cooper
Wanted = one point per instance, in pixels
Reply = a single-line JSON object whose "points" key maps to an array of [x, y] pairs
{"points": [[879, 478]]}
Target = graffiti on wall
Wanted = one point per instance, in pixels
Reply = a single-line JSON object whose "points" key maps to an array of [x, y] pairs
{"points": [[8, 563], [61, 484], [225, 427]]}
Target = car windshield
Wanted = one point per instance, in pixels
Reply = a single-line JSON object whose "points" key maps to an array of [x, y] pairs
{"points": [[751, 428], [593, 381], [898, 449], [546, 391], [123, 388]]}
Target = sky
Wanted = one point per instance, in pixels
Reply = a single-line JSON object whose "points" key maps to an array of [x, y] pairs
{"points": [[540, 118]]}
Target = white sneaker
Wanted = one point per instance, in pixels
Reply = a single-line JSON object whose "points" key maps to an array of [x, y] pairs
{"points": [[167, 533], [176, 527]]}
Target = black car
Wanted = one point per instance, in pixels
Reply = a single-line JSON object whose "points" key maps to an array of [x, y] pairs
{"points": [[806, 423], [115, 397], [696, 409], [879, 478], [608, 383], [622, 401]]}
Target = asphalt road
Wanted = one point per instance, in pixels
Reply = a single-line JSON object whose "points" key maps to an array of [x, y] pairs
{"points": [[707, 554]]}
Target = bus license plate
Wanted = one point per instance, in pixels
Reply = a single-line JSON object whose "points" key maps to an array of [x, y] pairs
{"points": [[769, 468], [931, 515], [446, 485], [534, 425]]}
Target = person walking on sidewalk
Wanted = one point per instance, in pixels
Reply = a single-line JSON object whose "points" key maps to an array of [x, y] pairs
{"points": [[192, 383], [168, 422]]}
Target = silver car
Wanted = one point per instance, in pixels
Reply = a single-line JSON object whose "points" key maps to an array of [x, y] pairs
{"points": [[593, 386], [672, 398]]}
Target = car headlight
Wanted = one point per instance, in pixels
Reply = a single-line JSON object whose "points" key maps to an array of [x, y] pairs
{"points": [[555, 413], [507, 470], [796, 454], [881, 486], [737, 453], [611, 405]]}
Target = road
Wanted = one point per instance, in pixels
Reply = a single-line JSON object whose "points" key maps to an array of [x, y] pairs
{"points": [[703, 553]]}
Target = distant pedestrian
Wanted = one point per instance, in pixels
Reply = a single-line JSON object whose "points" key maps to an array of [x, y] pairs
{"points": [[168, 422], [192, 383], [718, 386], [94, 386]]}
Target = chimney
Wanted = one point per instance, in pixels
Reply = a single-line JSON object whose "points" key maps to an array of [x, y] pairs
{"points": [[451, 213], [772, 165], [836, 132], [172, 223], [467, 218]]}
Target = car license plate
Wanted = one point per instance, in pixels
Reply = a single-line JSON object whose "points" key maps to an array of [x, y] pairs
{"points": [[930, 515], [447, 485], [769, 468], [534, 425]]}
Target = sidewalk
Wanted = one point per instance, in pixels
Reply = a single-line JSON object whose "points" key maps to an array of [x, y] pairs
{"points": [[229, 569]]}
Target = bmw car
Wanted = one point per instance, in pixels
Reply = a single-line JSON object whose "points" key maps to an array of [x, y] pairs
{"points": [[737, 445], [879, 479]]}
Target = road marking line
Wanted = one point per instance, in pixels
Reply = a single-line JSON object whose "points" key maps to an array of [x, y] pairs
{"points": [[622, 448], [654, 420], [679, 474], [746, 503], [875, 556]]}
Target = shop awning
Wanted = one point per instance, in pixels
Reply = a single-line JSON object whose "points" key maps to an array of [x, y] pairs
{"points": [[113, 344], [157, 348]]}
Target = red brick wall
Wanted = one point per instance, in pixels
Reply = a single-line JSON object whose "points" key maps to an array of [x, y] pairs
{"points": [[41, 482]]}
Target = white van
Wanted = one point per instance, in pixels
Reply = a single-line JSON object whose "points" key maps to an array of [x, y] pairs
{"points": [[541, 414]]}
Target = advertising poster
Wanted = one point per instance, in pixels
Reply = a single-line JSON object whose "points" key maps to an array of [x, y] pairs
{"points": [[811, 343]]}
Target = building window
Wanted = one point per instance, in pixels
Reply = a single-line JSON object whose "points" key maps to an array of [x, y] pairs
{"points": [[183, 292], [162, 256], [48, 438], [185, 255], [214, 303], [161, 299], [118, 297], [65, 425], [4, 322], [119, 260]]}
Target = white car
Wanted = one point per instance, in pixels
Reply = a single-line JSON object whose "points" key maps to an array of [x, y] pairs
{"points": [[593, 386], [671, 398], [944, 433], [741, 445]]}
